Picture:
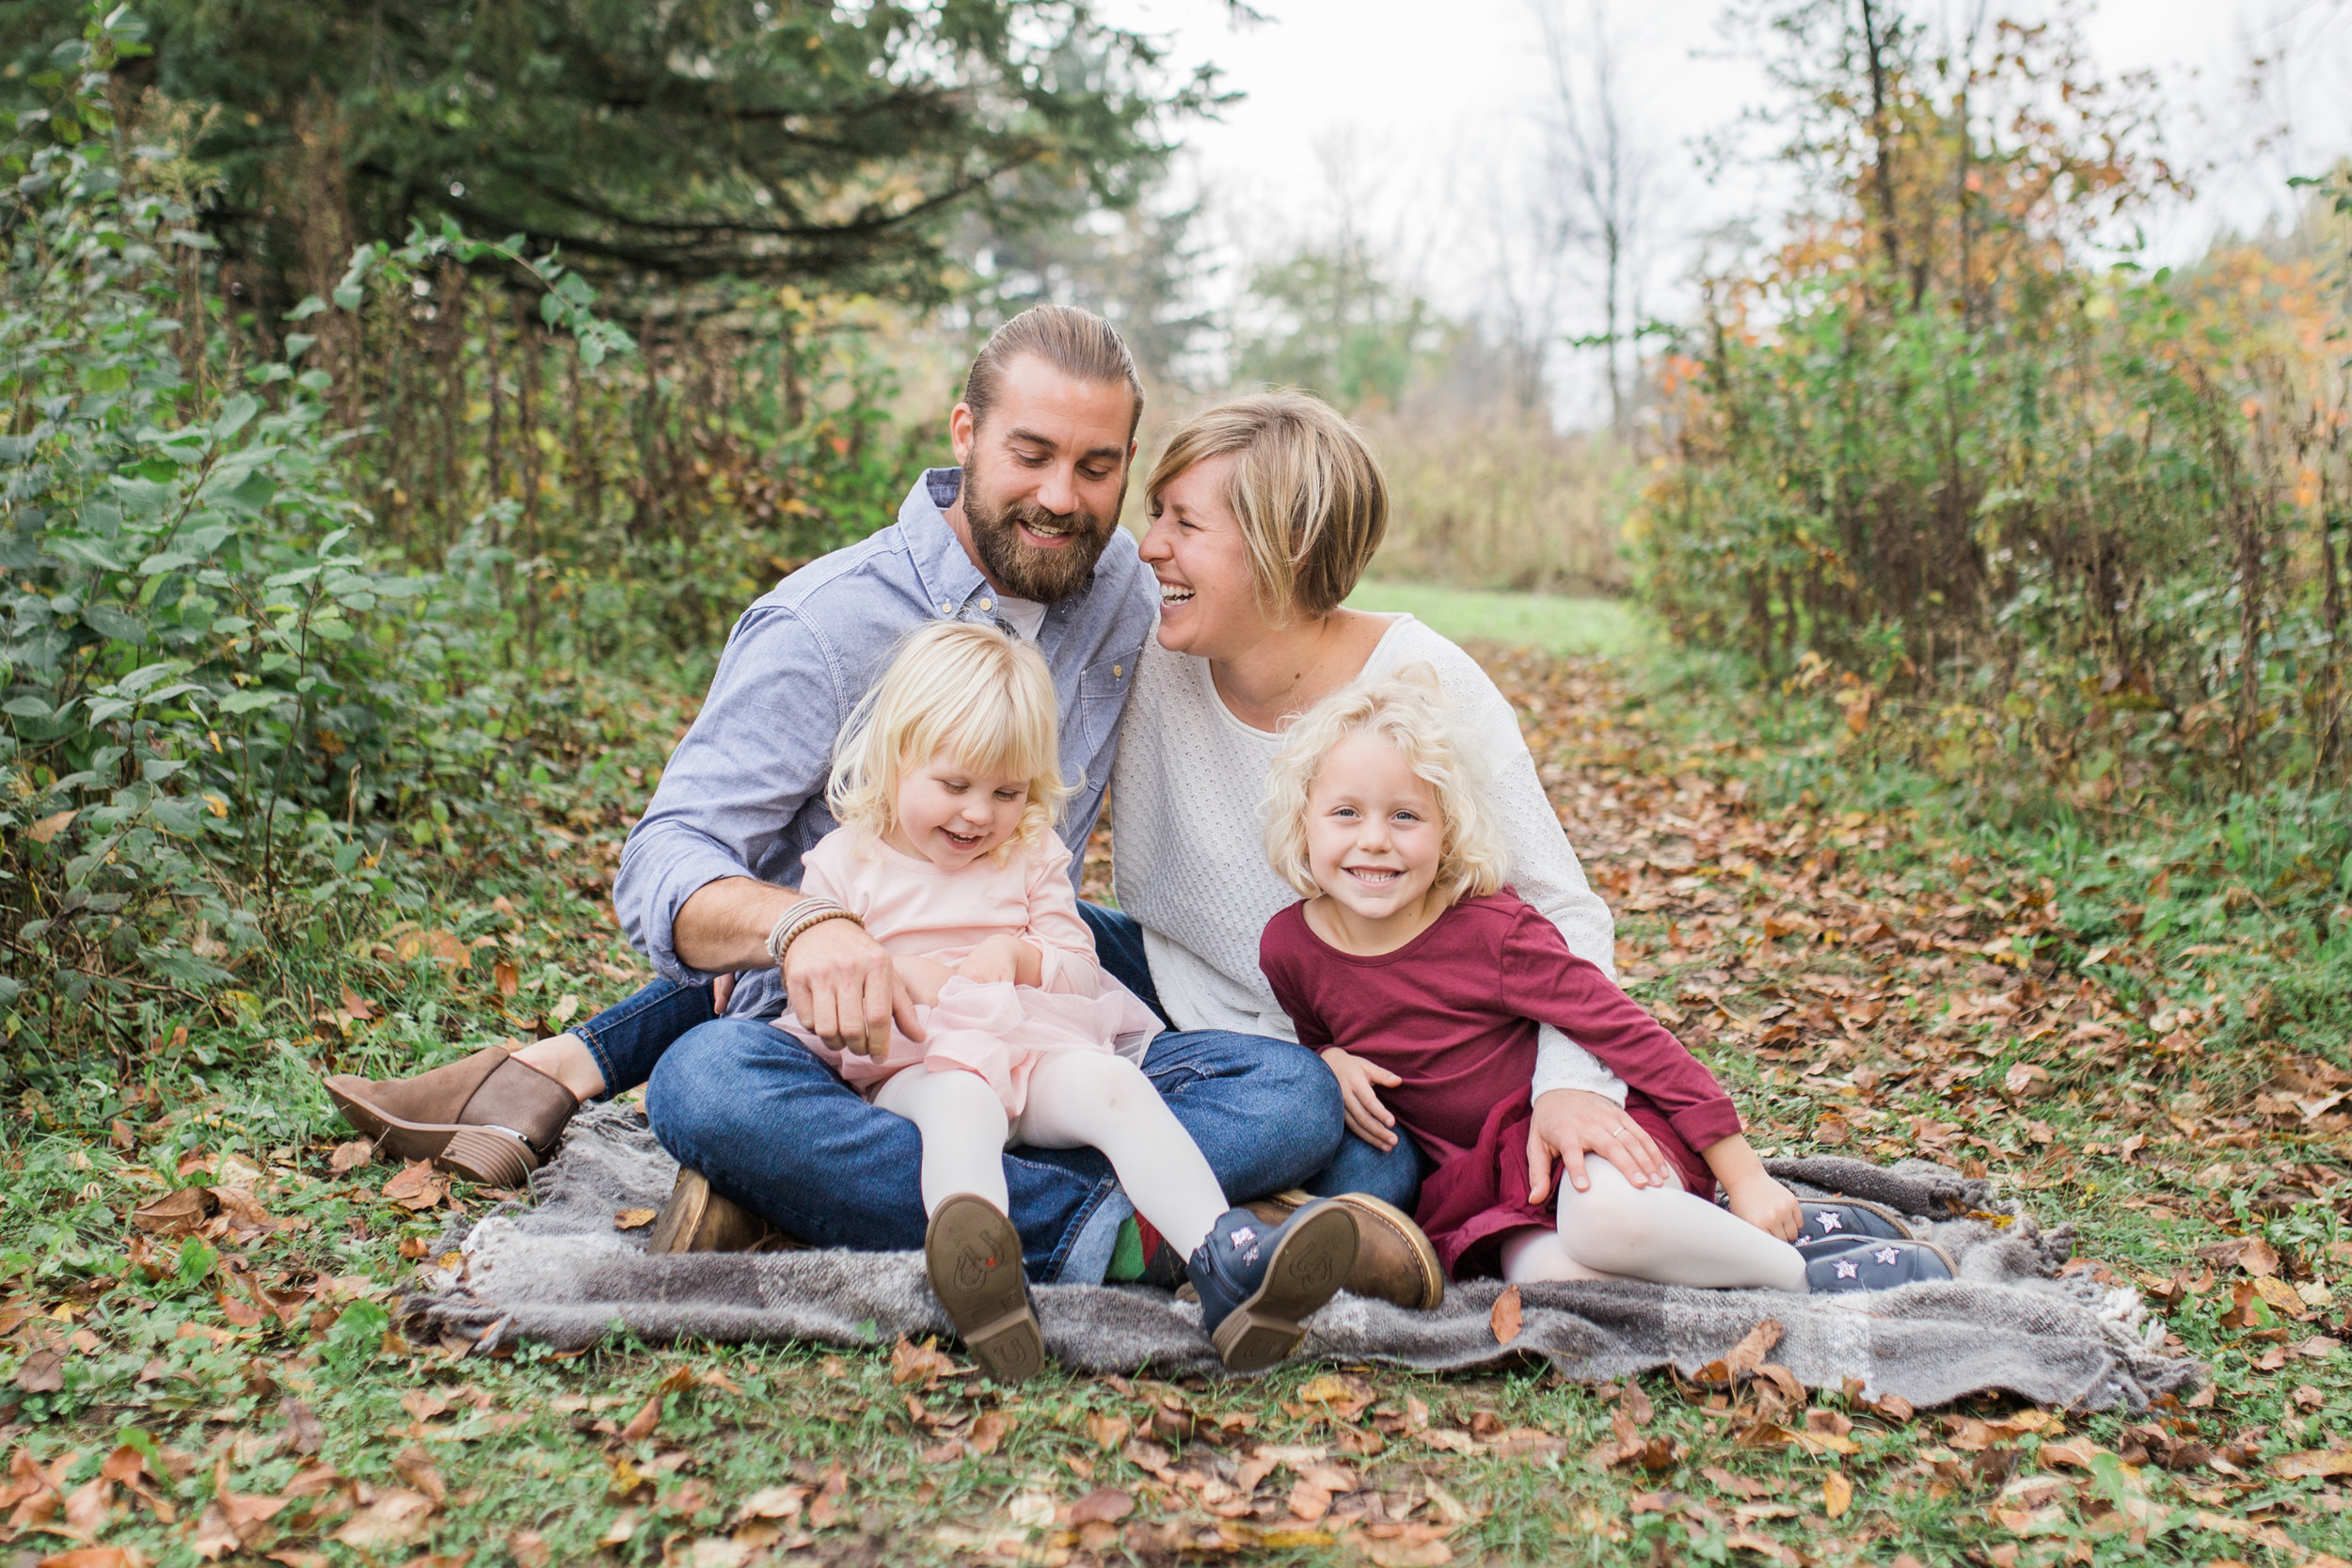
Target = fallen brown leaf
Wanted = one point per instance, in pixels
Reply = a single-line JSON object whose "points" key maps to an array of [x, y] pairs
{"points": [[925, 1363], [1106, 1506], [989, 1431], [396, 1518], [416, 1187], [41, 1372], [634, 1219], [1108, 1431], [1504, 1318], [415, 1466], [1837, 1494], [176, 1213], [2313, 1462], [349, 1157]]}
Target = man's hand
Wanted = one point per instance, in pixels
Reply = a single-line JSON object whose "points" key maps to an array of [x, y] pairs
{"points": [[1571, 1123], [1366, 1116], [1004, 958], [845, 991]]}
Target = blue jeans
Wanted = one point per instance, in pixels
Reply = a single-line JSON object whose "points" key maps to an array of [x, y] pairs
{"points": [[774, 1127]]}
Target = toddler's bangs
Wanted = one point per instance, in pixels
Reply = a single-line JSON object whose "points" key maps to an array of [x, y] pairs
{"points": [[989, 729]]}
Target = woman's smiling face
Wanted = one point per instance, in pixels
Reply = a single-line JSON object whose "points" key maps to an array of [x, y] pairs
{"points": [[1208, 602]]}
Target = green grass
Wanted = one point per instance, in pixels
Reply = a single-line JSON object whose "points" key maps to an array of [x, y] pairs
{"points": [[191, 1348], [1550, 623]]}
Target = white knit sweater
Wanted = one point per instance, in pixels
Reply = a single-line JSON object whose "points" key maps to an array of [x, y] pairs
{"points": [[1189, 860]]}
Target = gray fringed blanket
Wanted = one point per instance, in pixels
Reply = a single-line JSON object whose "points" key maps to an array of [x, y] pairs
{"points": [[561, 1272]]}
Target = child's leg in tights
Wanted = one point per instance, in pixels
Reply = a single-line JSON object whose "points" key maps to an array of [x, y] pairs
{"points": [[962, 1123], [1616, 1230], [1094, 1099]]}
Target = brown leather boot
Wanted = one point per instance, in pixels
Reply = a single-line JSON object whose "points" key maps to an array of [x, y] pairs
{"points": [[1394, 1261], [490, 1117], [699, 1220]]}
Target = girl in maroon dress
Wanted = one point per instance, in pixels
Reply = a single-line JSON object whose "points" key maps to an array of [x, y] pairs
{"points": [[1421, 980]]}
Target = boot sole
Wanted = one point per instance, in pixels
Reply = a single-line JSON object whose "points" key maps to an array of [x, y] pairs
{"points": [[973, 1255], [483, 1154], [1308, 1266]]}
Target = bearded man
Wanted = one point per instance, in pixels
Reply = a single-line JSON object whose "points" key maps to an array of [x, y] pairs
{"points": [[1023, 532]]}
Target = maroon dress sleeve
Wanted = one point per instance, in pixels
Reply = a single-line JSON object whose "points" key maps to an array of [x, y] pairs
{"points": [[1541, 979], [1284, 954]]}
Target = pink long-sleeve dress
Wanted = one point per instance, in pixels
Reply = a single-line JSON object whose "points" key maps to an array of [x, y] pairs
{"points": [[998, 1030]]}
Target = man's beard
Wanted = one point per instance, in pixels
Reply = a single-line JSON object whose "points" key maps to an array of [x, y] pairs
{"points": [[1021, 569]]}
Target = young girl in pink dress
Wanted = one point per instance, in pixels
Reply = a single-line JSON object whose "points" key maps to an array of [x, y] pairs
{"points": [[1421, 980], [945, 785]]}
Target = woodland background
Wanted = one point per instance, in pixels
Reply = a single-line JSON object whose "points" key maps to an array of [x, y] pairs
{"points": [[402, 402]]}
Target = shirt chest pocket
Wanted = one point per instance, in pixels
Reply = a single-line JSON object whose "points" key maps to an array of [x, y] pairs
{"points": [[1101, 698]]}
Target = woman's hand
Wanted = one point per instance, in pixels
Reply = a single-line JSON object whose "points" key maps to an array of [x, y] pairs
{"points": [[1004, 958], [1366, 1116], [1767, 1205], [922, 978], [1571, 1123]]}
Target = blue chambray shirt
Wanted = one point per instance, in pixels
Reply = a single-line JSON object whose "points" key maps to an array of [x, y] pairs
{"points": [[744, 793]]}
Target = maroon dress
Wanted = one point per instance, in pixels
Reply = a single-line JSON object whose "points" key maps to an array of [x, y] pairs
{"points": [[1453, 1013]]}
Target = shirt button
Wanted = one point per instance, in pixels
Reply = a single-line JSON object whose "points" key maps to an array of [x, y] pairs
{"points": [[986, 604], [1117, 671]]}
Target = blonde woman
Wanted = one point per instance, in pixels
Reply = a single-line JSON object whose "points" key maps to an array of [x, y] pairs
{"points": [[1264, 511], [945, 785], [1421, 978]]}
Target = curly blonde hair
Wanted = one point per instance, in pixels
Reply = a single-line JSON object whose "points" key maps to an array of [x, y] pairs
{"points": [[977, 693], [1408, 710]]}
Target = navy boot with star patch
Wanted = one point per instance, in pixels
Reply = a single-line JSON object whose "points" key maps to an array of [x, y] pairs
{"points": [[1829, 1220], [1842, 1266], [1257, 1280]]}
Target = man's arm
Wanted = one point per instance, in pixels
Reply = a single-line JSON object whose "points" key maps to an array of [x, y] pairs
{"points": [[840, 981], [690, 893]]}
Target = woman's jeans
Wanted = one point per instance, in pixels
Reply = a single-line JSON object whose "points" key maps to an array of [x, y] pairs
{"points": [[774, 1127]]}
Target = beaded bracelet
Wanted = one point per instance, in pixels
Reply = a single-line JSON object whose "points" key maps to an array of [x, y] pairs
{"points": [[799, 918]]}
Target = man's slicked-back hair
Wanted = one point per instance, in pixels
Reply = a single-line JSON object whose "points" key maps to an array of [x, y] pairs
{"points": [[1076, 342]]}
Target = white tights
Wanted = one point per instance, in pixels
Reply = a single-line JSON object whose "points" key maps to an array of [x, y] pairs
{"points": [[1089, 1098], [1616, 1230]]}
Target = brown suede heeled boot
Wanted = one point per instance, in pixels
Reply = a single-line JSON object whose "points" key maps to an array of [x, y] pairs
{"points": [[1394, 1261], [489, 1118], [696, 1219]]}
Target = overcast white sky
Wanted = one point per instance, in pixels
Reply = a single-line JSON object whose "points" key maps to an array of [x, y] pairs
{"points": [[1420, 104]]}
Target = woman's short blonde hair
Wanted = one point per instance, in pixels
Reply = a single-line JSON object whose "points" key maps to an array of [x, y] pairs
{"points": [[1408, 710], [979, 694], [1309, 495]]}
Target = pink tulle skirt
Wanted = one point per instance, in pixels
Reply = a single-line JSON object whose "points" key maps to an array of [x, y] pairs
{"points": [[1000, 1031]]}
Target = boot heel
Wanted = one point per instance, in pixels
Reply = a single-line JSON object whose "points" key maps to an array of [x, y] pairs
{"points": [[493, 1158], [1249, 1341], [1010, 1350]]}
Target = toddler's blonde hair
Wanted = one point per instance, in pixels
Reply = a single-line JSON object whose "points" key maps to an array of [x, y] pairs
{"points": [[1407, 710], [977, 693]]}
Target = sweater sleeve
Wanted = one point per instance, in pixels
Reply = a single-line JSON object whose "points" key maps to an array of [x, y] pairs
{"points": [[1544, 868], [1055, 926], [1283, 958], [1541, 979], [760, 748]]}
